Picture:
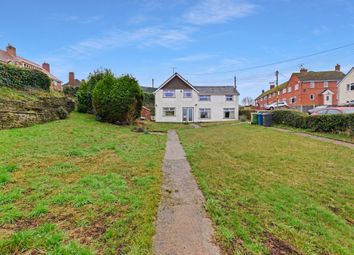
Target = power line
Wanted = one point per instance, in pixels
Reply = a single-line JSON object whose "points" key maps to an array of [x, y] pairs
{"points": [[278, 62]]}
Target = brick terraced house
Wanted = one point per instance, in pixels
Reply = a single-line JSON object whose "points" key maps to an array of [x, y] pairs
{"points": [[305, 90], [9, 56]]}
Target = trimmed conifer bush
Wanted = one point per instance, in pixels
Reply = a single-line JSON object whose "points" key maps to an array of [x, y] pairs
{"points": [[117, 100]]}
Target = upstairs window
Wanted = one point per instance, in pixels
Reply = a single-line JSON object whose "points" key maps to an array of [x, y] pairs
{"points": [[348, 87], [169, 93], [289, 90], [229, 98], [187, 93], [296, 86], [325, 84], [204, 98], [284, 91], [312, 85], [352, 87]]}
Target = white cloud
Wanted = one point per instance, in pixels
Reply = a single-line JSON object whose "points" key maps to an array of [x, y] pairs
{"points": [[195, 57], [144, 37], [218, 11]]}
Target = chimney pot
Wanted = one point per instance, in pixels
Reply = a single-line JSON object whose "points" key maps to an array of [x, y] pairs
{"points": [[46, 67], [337, 68], [11, 50], [72, 78], [272, 86], [262, 91], [303, 70]]}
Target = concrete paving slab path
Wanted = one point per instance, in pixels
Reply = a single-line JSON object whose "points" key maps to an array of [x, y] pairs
{"points": [[182, 225]]}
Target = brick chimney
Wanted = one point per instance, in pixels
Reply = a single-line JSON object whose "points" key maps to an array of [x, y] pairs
{"points": [[46, 67], [11, 50], [303, 70], [272, 86], [262, 91], [337, 68], [72, 78]]}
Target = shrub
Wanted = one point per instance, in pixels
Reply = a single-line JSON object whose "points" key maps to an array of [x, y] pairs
{"points": [[20, 78], [117, 99], [84, 93], [70, 91], [321, 123]]}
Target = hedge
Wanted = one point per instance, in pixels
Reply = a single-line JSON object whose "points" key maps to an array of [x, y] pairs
{"points": [[332, 123], [20, 78]]}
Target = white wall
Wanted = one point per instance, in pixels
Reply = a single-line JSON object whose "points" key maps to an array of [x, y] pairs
{"points": [[216, 104], [343, 95]]}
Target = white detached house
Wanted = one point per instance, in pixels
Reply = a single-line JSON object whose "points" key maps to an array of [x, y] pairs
{"points": [[346, 89], [176, 100]]}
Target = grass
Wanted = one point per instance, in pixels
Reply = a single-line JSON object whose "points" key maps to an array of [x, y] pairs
{"points": [[267, 189], [78, 186], [339, 137], [30, 94]]}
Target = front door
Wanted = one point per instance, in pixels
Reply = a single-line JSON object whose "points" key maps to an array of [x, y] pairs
{"points": [[188, 114], [328, 99]]}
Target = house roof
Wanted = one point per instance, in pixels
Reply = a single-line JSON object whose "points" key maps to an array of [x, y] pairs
{"points": [[320, 76], [217, 90], [204, 90], [325, 90], [77, 83], [271, 91], [7, 58]]}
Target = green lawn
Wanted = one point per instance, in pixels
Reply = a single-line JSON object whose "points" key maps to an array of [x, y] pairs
{"points": [[339, 137], [78, 186], [267, 189]]}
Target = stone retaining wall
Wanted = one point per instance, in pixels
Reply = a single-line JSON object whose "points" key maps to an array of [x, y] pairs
{"points": [[23, 113]]}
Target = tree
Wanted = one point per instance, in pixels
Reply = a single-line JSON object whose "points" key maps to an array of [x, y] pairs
{"points": [[246, 101], [84, 93], [117, 99]]}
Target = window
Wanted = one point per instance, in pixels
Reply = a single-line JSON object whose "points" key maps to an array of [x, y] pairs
{"points": [[296, 86], [322, 112], [284, 90], [312, 97], [187, 93], [229, 98], [348, 87], [289, 90], [204, 98], [229, 113], [325, 84], [312, 85], [327, 98], [352, 87], [205, 113], [293, 100], [169, 111], [278, 93], [169, 93]]}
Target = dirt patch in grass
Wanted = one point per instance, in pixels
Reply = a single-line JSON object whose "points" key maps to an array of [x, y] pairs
{"points": [[279, 247]]}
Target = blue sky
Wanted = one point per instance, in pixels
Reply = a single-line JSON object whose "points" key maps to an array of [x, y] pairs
{"points": [[207, 41]]}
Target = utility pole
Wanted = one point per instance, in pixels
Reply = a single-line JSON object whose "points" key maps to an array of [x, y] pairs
{"points": [[152, 83], [277, 84], [235, 82]]}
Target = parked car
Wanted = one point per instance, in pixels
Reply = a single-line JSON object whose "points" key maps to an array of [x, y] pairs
{"points": [[317, 108], [334, 110], [276, 105]]}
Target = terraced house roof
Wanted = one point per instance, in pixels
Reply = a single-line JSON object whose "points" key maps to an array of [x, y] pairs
{"points": [[271, 91], [320, 76]]}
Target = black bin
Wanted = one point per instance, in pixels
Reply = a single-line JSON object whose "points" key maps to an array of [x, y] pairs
{"points": [[267, 119]]}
